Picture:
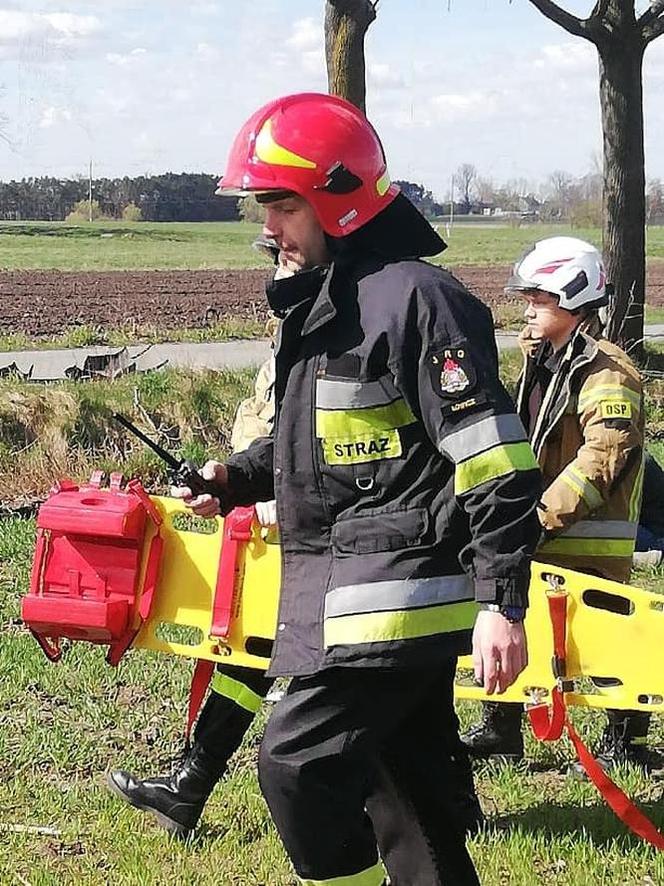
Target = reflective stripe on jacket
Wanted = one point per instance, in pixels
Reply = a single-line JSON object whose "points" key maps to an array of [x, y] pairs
{"points": [[588, 439], [405, 485]]}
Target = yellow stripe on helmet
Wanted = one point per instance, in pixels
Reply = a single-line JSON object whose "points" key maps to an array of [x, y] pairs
{"points": [[269, 151]]}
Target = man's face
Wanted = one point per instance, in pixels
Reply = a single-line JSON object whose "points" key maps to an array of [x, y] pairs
{"points": [[545, 319], [292, 223]]}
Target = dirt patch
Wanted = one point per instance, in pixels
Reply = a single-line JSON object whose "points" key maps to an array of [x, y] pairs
{"points": [[48, 303]]}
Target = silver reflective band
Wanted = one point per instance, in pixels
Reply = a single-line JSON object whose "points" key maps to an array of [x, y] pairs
{"points": [[337, 394], [600, 529], [483, 435], [384, 596]]}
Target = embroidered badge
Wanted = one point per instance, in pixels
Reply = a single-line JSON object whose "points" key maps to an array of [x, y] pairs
{"points": [[452, 373]]}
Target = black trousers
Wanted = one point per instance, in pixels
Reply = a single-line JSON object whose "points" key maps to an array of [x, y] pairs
{"points": [[349, 754], [223, 722]]}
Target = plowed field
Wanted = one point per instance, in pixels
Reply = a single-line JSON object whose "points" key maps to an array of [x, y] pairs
{"points": [[48, 303]]}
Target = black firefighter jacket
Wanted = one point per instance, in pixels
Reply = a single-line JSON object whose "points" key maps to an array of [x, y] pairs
{"points": [[405, 485]]}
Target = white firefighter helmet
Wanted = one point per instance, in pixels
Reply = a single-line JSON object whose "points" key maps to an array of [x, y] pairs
{"points": [[566, 267]]}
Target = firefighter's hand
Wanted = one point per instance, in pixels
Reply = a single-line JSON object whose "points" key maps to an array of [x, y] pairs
{"points": [[204, 505], [499, 651]]}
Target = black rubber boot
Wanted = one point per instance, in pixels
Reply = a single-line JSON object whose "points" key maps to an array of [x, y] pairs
{"points": [[176, 800], [624, 740], [498, 734]]}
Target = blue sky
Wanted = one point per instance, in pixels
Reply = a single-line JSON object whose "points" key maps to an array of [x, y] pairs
{"points": [[156, 85]]}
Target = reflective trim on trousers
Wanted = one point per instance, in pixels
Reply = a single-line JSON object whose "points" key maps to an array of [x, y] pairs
{"points": [[408, 624], [411, 593], [494, 463], [338, 394], [483, 435], [242, 695], [373, 876]]}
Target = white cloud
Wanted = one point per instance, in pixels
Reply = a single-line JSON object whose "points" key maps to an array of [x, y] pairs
{"points": [[207, 53], [52, 116], [72, 25], [383, 76], [307, 36], [126, 59]]}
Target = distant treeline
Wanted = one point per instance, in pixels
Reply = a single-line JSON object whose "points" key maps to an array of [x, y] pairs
{"points": [[169, 197]]}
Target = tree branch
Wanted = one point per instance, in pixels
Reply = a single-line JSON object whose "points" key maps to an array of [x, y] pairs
{"points": [[649, 16], [652, 21], [566, 20]]}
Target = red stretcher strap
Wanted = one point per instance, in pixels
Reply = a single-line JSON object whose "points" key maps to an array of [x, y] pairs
{"points": [[549, 725], [199, 684], [237, 532]]}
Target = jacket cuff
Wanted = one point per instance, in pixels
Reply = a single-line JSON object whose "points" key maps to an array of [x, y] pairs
{"points": [[512, 591]]}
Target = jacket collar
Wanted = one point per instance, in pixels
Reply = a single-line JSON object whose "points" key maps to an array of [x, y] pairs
{"points": [[286, 293], [323, 309]]}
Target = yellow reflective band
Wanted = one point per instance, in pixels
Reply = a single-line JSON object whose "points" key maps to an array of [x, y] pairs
{"points": [[589, 547], [239, 693], [492, 464], [637, 492], [386, 444], [269, 151], [351, 424], [609, 392], [406, 624], [373, 876], [582, 486], [383, 184], [615, 409]]}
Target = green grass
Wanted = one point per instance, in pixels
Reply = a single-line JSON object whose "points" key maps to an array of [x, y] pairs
{"points": [[66, 429], [227, 329], [146, 245], [62, 726]]}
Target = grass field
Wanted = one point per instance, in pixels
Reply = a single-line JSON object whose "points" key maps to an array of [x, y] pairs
{"points": [[62, 727], [144, 245]]}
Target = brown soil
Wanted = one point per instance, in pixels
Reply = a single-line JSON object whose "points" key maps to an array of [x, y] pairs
{"points": [[48, 303]]}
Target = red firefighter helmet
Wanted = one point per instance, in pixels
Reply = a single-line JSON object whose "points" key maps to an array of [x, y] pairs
{"points": [[320, 147]]}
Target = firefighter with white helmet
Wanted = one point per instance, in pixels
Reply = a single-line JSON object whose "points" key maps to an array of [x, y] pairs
{"points": [[406, 494], [580, 398]]}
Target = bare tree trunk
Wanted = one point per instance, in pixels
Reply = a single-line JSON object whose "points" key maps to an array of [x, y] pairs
{"points": [[346, 24], [621, 96]]}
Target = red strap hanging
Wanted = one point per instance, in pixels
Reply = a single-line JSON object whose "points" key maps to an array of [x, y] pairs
{"points": [[548, 726], [199, 684]]}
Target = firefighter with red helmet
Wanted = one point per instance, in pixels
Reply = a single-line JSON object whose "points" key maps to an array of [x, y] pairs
{"points": [[406, 493]]}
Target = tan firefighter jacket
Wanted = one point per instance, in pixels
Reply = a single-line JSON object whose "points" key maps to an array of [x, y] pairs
{"points": [[588, 439], [255, 415]]}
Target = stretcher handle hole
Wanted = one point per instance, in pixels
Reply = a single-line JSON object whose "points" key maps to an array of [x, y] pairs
{"points": [[260, 646], [94, 501], [182, 522], [650, 699], [606, 682], [609, 602], [185, 635], [657, 605]]}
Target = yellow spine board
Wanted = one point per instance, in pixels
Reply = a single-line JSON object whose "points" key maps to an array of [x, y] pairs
{"points": [[181, 615], [627, 649]]}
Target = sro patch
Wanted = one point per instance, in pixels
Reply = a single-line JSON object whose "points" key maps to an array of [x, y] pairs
{"points": [[452, 373]]}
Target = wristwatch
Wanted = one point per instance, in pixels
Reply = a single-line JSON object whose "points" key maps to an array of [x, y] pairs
{"points": [[513, 614]]}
